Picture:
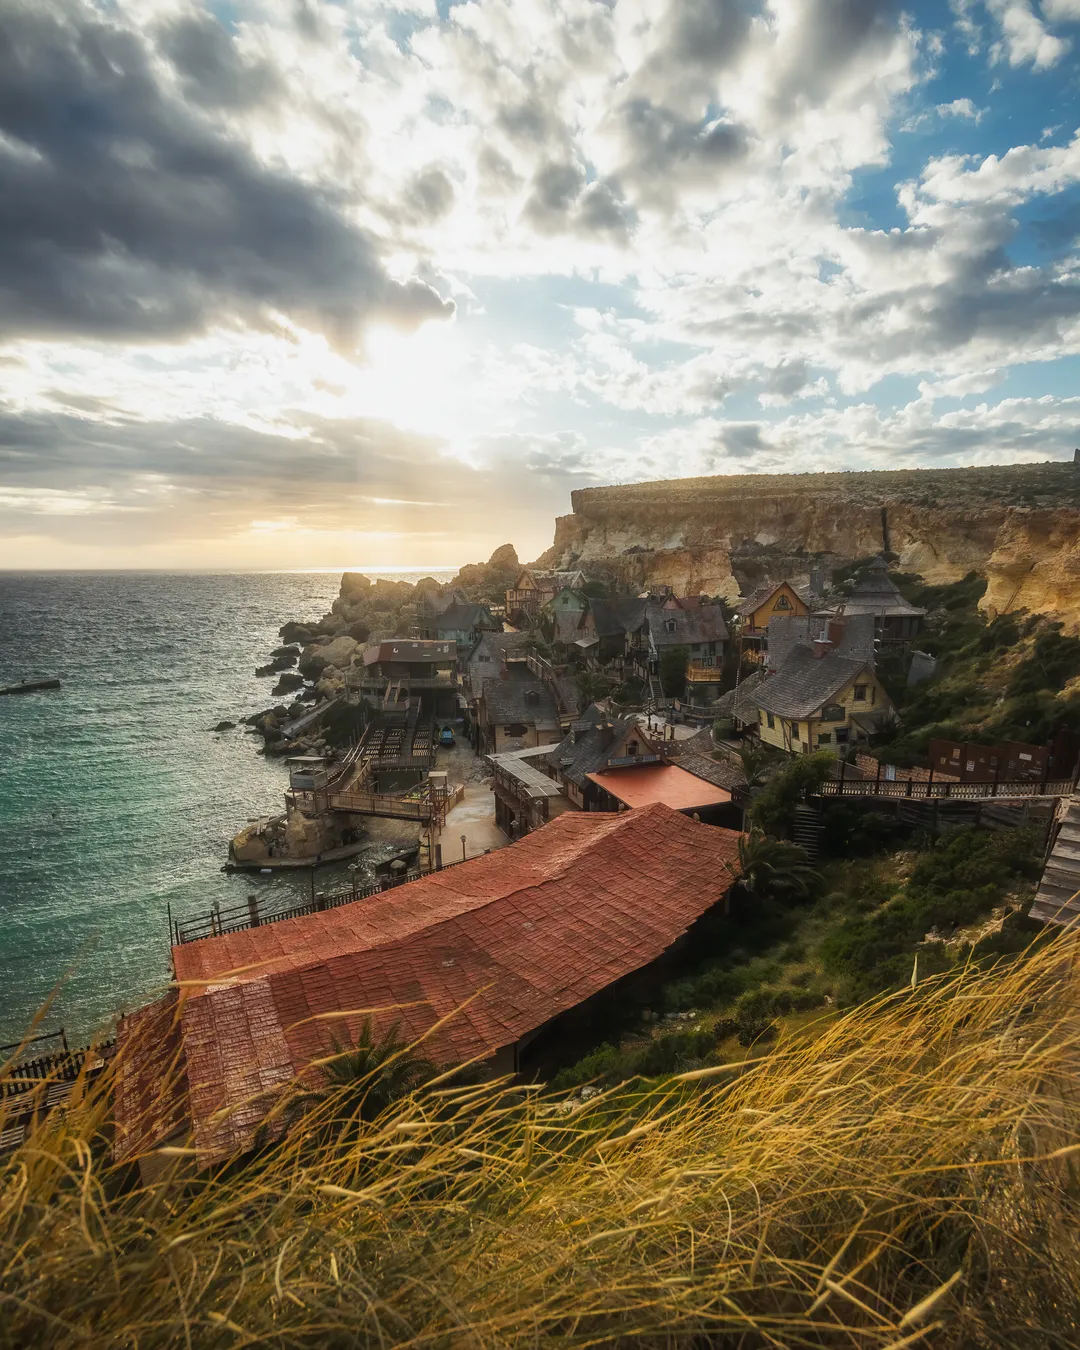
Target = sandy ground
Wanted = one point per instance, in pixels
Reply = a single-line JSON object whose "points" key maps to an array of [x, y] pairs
{"points": [[474, 817]]}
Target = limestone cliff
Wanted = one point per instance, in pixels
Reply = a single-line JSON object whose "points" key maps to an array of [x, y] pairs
{"points": [[1018, 525]]}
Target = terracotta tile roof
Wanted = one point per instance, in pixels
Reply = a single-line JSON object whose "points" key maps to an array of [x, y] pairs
{"points": [[644, 784], [530, 930], [150, 1075]]}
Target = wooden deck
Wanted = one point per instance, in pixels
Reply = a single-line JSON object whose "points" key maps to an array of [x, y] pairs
{"points": [[1011, 790]]}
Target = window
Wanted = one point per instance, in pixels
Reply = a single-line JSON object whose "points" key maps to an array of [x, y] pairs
{"points": [[824, 738], [671, 625], [860, 693], [515, 729], [782, 602], [532, 698], [794, 731], [771, 719], [633, 748], [841, 735]]}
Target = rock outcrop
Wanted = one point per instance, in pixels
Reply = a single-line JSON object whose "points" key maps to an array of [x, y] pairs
{"points": [[1018, 525]]}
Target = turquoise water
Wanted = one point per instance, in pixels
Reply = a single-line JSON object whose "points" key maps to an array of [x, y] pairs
{"points": [[117, 801]]}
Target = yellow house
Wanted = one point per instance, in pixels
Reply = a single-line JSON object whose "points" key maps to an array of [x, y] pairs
{"points": [[781, 600], [819, 700]]}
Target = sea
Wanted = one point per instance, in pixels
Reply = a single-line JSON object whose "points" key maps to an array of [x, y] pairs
{"points": [[117, 798]]}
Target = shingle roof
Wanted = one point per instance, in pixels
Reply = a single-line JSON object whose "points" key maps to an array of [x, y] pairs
{"points": [[459, 617], [741, 702], [856, 635], [520, 935], [757, 597], [722, 772], [613, 618], [582, 751], [702, 623], [518, 701], [805, 682], [878, 594], [405, 649], [485, 659]]}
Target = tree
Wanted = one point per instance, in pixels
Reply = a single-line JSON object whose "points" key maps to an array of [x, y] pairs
{"points": [[592, 685], [774, 868], [673, 665], [774, 808]]}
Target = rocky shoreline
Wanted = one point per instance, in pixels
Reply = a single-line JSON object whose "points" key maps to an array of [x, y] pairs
{"points": [[322, 716]]}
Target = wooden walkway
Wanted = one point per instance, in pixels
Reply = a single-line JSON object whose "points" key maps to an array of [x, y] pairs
{"points": [[385, 805], [1012, 790], [1058, 898]]}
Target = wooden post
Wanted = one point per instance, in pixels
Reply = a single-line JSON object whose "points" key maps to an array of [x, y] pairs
{"points": [[438, 857], [253, 910], [312, 885], [877, 779]]}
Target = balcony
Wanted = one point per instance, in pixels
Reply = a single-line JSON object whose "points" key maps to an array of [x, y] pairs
{"points": [[699, 674]]}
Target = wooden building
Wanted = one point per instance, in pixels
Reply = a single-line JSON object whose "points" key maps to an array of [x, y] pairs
{"points": [[896, 620], [533, 589], [475, 962], [819, 700]]}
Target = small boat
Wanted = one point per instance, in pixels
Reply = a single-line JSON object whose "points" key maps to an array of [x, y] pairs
{"points": [[30, 686]]}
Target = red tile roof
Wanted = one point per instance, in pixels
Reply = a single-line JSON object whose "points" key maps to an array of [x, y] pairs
{"points": [[643, 784], [531, 930], [150, 1075]]}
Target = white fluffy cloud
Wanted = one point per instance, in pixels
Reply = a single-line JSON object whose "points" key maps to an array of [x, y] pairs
{"points": [[564, 239]]}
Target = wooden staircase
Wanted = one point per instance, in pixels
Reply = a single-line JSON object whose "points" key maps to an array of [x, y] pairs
{"points": [[806, 830], [1058, 897]]}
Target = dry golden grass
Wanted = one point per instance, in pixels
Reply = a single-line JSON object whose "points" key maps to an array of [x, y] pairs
{"points": [[905, 1177]]}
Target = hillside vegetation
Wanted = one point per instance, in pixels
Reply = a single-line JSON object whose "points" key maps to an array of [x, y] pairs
{"points": [[900, 1175]]}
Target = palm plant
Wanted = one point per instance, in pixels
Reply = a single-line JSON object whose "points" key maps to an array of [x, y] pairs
{"points": [[774, 867], [755, 759], [369, 1074], [592, 685]]}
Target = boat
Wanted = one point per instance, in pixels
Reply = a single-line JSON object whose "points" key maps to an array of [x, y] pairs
{"points": [[30, 686]]}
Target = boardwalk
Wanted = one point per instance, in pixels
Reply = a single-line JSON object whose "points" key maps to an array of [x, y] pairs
{"points": [[386, 805], [1012, 790], [1058, 897]]}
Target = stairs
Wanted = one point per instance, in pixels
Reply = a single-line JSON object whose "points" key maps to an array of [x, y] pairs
{"points": [[1057, 899], [806, 830]]}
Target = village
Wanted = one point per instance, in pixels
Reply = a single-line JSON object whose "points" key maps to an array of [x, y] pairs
{"points": [[577, 786]]}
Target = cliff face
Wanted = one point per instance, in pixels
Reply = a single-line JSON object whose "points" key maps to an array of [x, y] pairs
{"points": [[1018, 525]]}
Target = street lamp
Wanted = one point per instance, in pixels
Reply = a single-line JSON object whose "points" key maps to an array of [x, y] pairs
{"points": [[463, 839]]}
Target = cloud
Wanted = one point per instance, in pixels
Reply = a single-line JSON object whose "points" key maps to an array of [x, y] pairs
{"points": [[127, 210], [1025, 39]]}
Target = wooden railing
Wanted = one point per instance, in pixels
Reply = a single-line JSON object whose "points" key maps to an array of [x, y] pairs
{"points": [[256, 913], [697, 673], [1014, 789]]}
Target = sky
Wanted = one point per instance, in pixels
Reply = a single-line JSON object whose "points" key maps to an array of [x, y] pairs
{"points": [[329, 283]]}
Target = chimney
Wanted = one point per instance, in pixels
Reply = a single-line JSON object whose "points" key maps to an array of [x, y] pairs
{"points": [[834, 630], [607, 734], [822, 647]]}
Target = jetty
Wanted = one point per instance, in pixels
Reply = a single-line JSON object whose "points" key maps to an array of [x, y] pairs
{"points": [[30, 686]]}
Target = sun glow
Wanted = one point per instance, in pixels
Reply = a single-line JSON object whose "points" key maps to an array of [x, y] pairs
{"points": [[417, 380]]}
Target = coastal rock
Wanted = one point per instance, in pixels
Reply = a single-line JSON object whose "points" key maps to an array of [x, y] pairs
{"points": [[225, 726], [290, 654], [296, 632], [339, 653], [289, 681], [354, 585]]}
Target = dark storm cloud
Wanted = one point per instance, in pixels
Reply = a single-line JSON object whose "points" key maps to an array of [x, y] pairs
{"points": [[126, 212], [560, 202]]}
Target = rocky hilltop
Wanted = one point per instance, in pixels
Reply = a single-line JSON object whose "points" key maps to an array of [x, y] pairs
{"points": [[1018, 525]]}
